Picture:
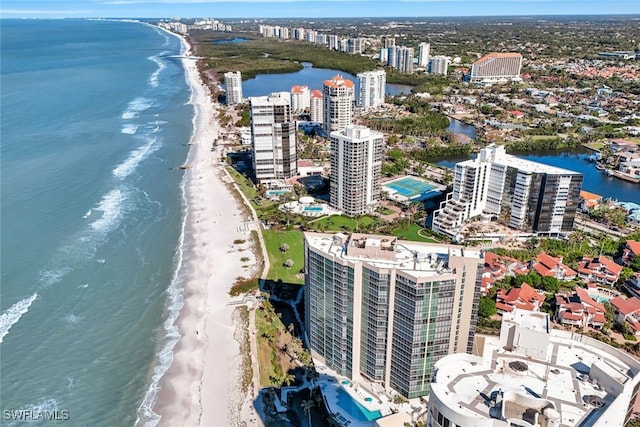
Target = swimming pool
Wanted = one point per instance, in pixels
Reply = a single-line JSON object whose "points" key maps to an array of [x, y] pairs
{"points": [[356, 410], [271, 193], [313, 208], [600, 299]]}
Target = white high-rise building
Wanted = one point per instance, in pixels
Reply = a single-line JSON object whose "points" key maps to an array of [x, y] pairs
{"points": [[333, 42], [371, 89], [273, 136], [496, 67], [356, 162], [233, 87], [300, 99], [534, 375], [439, 65], [310, 36], [317, 108], [389, 42], [423, 54], [526, 195], [383, 55], [385, 310], [338, 97], [401, 58]]}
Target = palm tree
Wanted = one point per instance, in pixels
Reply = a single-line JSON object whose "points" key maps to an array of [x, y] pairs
{"points": [[306, 407]]}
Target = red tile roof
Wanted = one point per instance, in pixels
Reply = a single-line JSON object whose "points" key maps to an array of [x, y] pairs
{"points": [[565, 315], [524, 297], [586, 299], [634, 246], [504, 307], [626, 306], [338, 81]]}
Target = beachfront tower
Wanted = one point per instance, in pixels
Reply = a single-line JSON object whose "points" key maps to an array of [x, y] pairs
{"points": [[423, 55], [233, 87], [338, 97], [273, 137], [496, 67], [356, 161], [525, 195], [371, 89], [317, 108], [300, 99], [386, 310]]}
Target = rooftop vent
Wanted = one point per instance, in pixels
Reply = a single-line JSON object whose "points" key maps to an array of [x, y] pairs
{"points": [[518, 366], [595, 401]]}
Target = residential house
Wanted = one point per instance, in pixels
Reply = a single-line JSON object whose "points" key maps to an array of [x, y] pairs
{"points": [[627, 311], [589, 200], [548, 266], [579, 309], [496, 267], [524, 298], [631, 250], [600, 270]]}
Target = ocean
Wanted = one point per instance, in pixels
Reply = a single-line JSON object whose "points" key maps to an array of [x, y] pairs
{"points": [[95, 122]]}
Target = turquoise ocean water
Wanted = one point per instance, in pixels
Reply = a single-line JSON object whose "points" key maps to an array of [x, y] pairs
{"points": [[95, 120]]}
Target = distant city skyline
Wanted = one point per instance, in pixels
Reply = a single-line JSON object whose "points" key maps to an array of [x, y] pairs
{"points": [[308, 8]]}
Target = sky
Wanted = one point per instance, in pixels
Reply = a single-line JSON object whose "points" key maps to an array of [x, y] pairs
{"points": [[307, 8]]}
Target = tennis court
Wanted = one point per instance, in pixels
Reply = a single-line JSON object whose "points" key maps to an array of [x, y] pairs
{"points": [[409, 187]]}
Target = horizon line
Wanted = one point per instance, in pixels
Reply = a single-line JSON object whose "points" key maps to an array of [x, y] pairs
{"points": [[328, 17]]}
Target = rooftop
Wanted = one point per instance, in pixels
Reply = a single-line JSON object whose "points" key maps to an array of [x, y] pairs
{"points": [[577, 379], [423, 259], [501, 158], [338, 81]]}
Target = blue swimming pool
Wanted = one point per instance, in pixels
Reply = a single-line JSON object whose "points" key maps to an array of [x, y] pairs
{"points": [[356, 410], [271, 193], [313, 208]]}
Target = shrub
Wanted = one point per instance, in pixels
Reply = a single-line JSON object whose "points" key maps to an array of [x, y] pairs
{"points": [[243, 285]]}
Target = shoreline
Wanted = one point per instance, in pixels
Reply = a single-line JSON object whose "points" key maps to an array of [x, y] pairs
{"points": [[202, 383]]}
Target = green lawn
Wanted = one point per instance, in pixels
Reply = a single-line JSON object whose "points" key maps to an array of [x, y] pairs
{"points": [[273, 240], [249, 190], [595, 145], [411, 233], [341, 222]]}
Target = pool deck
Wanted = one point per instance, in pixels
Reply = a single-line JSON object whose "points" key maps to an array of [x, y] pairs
{"points": [[330, 382]]}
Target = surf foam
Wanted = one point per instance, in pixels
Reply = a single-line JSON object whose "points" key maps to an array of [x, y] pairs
{"points": [[12, 315]]}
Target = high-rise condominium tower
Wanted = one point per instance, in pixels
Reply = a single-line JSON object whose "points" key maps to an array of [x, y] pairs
{"points": [[338, 103], [316, 109], [526, 195], [423, 54], [300, 99], [387, 310], [439, 65], [372, 87], [356, 161], [273, 136], [233, 85]]}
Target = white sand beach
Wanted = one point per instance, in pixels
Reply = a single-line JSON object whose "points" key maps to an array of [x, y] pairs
{"points": [[202, 385]]}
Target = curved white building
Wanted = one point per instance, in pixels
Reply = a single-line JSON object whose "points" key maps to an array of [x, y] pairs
{"points": [[533, 376]]}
